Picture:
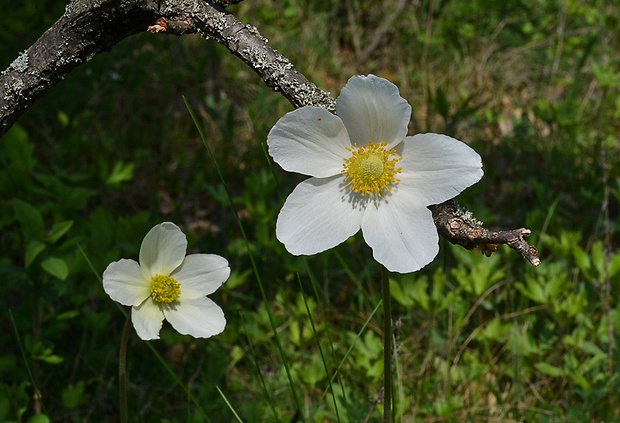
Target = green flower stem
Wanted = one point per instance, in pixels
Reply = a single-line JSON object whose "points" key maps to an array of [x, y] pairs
{"points": [[122, 370], [387, 346]]}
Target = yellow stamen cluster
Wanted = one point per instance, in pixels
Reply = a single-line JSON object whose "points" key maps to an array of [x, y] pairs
{"points": [[371, 169], [165, 289]]}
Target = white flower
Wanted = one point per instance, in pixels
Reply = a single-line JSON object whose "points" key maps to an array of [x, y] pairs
{"points": [[367, 173], [167, 284]]}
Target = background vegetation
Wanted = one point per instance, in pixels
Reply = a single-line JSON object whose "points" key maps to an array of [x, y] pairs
{"points": [[532, 85]]}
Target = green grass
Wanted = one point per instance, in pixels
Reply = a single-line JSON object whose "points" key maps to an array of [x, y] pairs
{"points": [[112, 150]]}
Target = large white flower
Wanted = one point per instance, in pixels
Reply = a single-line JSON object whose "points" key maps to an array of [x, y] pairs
{"points": [[167, 284], [367, 173]]}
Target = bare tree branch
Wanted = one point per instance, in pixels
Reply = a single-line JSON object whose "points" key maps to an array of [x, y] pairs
{"points": [[460, 227], [90, 27], [84, 30]]}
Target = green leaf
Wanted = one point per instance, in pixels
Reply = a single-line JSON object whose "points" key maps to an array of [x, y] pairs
{"points": [[73, 395], [614, 265], [437, 285], [312, 373], [581, 381], [548, 369], [420, 294], [63, 118], [30, 220], [495, 330], [592, 349], [236, 279], [56, 267], [575, 303], [411, 290], [121, 172], [39, 418], [294, 333], [398, 293], [18, 149], [33, 249], [52, 359], [58, 230], [533, 290], [582, 259], [555, 286], [68, 315], [598, 258], [521, 343], [536, 291]]}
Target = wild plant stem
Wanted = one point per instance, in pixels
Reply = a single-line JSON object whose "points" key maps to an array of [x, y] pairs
{"points": [[122, 370], [36, 338], [387, 346], [607, 248]]}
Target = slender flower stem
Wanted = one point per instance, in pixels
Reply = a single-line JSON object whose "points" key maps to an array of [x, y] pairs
{"points": [[387, 346], [122, 370]]}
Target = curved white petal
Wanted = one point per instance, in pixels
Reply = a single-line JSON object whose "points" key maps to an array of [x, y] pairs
{"points": [[318, 215], [311, 141], [147, 319], [162, 250], [373, 110], [436, 168], [198, 317], [403, 237], [201, 274], [123, 282]]}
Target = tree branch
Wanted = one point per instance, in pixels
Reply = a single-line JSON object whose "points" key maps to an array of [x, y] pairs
{"points": [[87, 27], [90, 27], [460, 227]]}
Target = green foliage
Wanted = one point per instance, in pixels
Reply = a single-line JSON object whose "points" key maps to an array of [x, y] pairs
{"points": [[532, 85]]}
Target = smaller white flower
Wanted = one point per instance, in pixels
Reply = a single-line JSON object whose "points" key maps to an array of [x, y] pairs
{"points": [[168, 285]]}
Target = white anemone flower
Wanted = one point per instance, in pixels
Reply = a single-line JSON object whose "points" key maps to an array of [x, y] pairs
{"points": [[168, 285], [367, 174]]}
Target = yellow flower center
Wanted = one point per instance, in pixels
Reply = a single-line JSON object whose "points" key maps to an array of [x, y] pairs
{"points": [[165, 289], [371, 169]]}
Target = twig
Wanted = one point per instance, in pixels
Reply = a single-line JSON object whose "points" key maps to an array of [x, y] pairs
{"points": [[387, 346], [606, 258], [460, 227], [91, 27]]}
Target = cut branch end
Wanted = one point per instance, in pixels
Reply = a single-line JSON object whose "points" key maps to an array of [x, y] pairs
{"points": [[458, 225]]}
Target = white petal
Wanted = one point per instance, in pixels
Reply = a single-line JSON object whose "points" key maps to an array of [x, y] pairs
{"points": [[373, 110], [437, 167], [163, 250], [201, 274], [123, 282], [198, 317], [318, 215], [311, 141], [403, 238], [147, 319]]}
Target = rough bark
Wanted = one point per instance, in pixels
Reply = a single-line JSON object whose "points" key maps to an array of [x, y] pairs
{"points": [[90, 27]]}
